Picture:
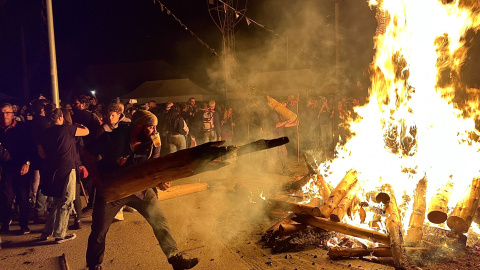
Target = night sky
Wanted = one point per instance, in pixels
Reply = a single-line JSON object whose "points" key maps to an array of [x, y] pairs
{"points": [[93, 32]]}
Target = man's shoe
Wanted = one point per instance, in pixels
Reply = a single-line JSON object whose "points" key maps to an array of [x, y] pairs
{"points": [[77, 225], [67, 237], [119, 216], [96, 267], [178, 262], [43, 237], [24, 231]]}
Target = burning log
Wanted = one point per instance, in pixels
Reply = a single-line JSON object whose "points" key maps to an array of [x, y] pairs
{"points": [[329, 225], [273, 232], [181, 190], [415, 225], [338, 193], [309, 208], [437, 210], [461, 217], [394, 227], [336, 253], [299, 183], [184, 163], [341, 209], [323, 186]]}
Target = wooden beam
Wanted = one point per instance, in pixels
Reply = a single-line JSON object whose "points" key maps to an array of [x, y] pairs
{"points": [[184, 163], [180, 190], [394, 226], [417, 218], [437, 209], [340, 227], [461, 217], [338, 193]]}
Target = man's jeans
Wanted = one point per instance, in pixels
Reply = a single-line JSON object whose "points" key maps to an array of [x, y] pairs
{"points": [[176, 143], [102, 217], [57, 221], [210, 136]]}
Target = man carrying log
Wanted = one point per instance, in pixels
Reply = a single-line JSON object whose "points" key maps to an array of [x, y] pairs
{"points": [[127, 145]]}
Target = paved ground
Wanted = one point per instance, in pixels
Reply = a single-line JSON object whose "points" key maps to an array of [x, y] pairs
{"points": [[216, 225]]}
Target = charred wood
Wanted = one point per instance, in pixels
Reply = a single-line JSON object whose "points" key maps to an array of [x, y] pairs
{"points": [[340, 227]]}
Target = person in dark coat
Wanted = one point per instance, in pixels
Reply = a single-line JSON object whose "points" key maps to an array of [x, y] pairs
{"points": [[127, 145], [58, 148], [15, 156]]}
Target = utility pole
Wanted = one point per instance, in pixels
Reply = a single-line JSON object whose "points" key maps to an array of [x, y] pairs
{"points": [[226, 14], [53, 57], [337, 42]]}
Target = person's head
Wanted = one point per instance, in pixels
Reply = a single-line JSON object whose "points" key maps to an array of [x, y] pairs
{"points": [[169, 106], [67, 117], [152, 104], [191, 101], [81, 102], [211, 104], [114, 111], [147, 120], [15, 108], [56, 116], [38, 107], [7, 114]]}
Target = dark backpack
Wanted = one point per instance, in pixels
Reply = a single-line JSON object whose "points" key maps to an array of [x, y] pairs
{"points": [[208, 120]]}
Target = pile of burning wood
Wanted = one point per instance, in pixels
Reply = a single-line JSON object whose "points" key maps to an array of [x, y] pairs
{"points": [[420, 238]]}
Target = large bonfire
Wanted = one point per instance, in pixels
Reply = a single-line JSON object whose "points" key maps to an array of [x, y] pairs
{"points": [[415, 126]]}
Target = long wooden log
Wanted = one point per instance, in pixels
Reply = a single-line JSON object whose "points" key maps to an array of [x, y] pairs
{"points": [[184, 163], [310, 209], [437, 209], [340, 227], [282, 110], [323, 186], [417, 218], [394, 226], [336, 253], [461, 217], [338, 193], [341, 209], [180, 190]]}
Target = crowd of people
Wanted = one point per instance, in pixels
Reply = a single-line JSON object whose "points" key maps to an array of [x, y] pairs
{"points": [[51, 156]]}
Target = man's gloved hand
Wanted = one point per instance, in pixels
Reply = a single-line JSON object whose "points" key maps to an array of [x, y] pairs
{"points": [[83, 171], [164, 186]]}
